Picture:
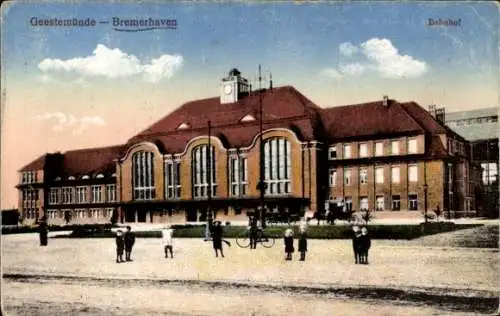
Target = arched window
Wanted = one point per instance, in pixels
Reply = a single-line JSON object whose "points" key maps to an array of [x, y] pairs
{"points": [[202, 171], [277, 165], [143, 175]]}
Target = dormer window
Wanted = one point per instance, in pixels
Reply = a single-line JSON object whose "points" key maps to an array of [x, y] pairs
{"points": [[85, 177], [113, 175], [57, 179], [71, 178], [99, 176], [248, 118], [183, 126]]}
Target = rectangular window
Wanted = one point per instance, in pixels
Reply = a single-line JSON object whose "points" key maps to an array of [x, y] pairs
{"points": [[363, 150], [347, 176], [67, 195], [238, 175], [348, 203], [413, 173], [347, 151], [333, 177], [379, 149], [277, 166], [111, 192], [396, 202], [363, 203], [395, 174], [29, 177], [412, 202], [81, 195], [380, 203], [395, 147], [379, 175], [172, 180], [412, 146], [332, 152], [363, 176], [54, 195], [96, 194]]}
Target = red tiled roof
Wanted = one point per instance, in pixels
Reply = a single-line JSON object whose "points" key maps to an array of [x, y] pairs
{"points": [[36, 164], [91, 160], [423, 118], [278, 103], [282, 107], [368, 119]]}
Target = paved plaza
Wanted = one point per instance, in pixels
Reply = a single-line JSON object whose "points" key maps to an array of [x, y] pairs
{"points": [[84, 268]]}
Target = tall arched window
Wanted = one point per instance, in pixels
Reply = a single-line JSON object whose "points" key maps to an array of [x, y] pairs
{"points": [[201, 170], [277, 165], [143, 175]]}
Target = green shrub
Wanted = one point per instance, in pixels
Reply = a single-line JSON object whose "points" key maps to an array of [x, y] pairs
{"points": [[313, 232]]}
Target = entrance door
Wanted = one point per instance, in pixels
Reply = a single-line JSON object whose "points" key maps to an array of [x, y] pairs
{"points": [[191, 214], [380, 203]]}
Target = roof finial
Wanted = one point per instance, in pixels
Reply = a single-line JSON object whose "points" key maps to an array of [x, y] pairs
{"points": [[385, 101], [270, 81]]}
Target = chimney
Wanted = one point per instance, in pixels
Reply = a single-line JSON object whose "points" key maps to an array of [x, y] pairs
{"points": [[385, 101]]}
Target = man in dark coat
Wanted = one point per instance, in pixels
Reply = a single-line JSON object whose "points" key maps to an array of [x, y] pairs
{"points": [[217, 239], [356, 243], [43, 231], [303, 242], [120, 244], [129, 243], [288, 240], [365, 244], [253, 233]]}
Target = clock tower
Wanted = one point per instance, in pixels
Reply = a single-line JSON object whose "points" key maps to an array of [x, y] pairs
{"points": [[233, 87]]}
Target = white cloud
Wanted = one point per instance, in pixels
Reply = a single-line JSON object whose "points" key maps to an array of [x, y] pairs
{"points": [[332, 72], [379, 55], [389, 62], [65, 122], [347, 49], [353, 69], [114, 63]]}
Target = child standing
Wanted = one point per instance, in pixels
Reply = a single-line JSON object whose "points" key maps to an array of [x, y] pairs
{"points": [[356, 244], [365, 244], [120, 245], [167, 239], [303, 242], [288, 239]]}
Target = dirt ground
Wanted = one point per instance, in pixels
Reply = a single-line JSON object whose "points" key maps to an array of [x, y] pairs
{"points": [[79, 276]]}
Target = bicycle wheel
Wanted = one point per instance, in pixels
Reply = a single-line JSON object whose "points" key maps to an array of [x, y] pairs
{"points": [[267, 242], [243, 241]]}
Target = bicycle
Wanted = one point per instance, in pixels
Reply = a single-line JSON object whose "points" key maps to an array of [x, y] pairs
{"points": [[244, 241]]}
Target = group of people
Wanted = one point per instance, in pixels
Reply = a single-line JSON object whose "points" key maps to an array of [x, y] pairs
{"points": [[124, 241], [361, 243], [289, 243]]}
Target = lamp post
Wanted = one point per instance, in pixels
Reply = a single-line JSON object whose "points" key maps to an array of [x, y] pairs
{"points": [[261, 186], [426, 188], [209, 176]]}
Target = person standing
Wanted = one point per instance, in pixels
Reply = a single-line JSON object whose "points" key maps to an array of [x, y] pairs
{"points": [[288, 240], [207, 232], [167, 238], [129, 243], [356, 238], [253, 233], [303, 242], [365, 244], [43, 231], [217, 239], [120, 243]]}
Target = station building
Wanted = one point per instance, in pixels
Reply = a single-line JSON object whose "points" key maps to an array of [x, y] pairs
{"points": [[385, 155]]}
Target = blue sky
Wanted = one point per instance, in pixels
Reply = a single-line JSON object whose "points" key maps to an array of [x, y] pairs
{"points": [[301, 38], [84, 87]]}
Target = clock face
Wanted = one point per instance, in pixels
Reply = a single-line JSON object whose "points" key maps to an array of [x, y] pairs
{"points": [[228, 89]]}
